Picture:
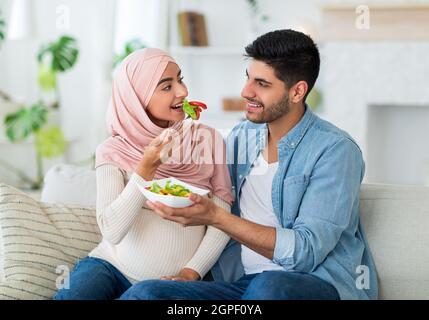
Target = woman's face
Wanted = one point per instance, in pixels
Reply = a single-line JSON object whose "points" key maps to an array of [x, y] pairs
{"points": [[166, 103]]}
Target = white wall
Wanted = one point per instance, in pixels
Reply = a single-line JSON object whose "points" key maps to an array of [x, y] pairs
{"points": [[398, 150], [358, 75], [150, 24], [220, 72], [86, 89], [228, 22]]}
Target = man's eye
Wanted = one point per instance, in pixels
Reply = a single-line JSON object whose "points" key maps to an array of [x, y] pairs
{"points": [[181, 79], [167, 88], [262, 84]]}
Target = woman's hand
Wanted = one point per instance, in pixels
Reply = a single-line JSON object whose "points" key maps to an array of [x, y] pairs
{"points": [[185, 274], [155, 154]]}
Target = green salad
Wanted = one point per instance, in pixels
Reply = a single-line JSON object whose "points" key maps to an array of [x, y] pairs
{"points": [[169, 189]]}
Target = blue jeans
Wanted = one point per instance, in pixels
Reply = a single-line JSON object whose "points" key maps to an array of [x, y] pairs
{"points": [[94, 279], [268, 285]]}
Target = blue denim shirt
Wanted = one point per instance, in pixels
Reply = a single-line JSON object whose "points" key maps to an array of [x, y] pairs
{"points": [[315, 193]]}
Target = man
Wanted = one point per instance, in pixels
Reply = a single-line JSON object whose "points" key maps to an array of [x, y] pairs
{"points": [[297, 180]]}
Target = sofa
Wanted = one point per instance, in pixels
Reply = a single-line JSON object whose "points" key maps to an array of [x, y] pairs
{"points": [[396, 223], [395, 220]]}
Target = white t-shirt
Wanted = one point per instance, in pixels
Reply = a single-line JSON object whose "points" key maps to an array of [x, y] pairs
{"points": [[256, 206]]}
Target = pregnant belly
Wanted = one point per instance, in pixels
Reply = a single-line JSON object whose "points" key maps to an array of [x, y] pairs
{"points": [[155, 247]]}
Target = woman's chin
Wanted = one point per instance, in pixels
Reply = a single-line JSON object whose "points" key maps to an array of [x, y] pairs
{"points": [[178, 117]]}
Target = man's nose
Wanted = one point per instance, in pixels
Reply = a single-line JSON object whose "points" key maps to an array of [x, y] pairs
{"points": [[247, 92]]}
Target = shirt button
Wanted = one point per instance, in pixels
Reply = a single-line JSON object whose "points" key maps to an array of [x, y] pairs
{"points": [[292, 144], [240, 176]]}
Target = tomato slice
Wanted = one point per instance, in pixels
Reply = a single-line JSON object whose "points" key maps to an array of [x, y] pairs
{"points": [[198, 104]]}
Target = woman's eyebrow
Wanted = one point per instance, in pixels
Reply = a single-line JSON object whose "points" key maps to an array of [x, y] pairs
{"points": [[164, 80], [168, 79]]}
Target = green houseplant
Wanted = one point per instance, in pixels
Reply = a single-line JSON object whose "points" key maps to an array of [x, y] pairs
{"points": [[49, 141], [130, 47], [256, 10], [2, 27], [56, 57], [256, 19], [315, 99], [2, 37]]}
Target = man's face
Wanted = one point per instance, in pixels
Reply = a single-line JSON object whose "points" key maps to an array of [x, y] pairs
{"points": [[266, 95]]}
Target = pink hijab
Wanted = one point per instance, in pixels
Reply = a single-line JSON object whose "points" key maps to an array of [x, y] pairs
{"points": [[131, 130]]}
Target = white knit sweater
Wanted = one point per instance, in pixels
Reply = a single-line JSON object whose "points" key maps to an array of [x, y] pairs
{"points": [[139, 243]]}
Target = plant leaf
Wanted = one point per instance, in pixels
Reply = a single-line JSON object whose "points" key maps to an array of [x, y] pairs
{"points": [[50, 142], [47, 77], [21, 124], [130, 47], [2, 31], [63, 54], [314, 99]]}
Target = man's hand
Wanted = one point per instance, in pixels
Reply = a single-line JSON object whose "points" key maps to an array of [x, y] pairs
{"points": [[259, 238], [202, 212], [185, 274]]}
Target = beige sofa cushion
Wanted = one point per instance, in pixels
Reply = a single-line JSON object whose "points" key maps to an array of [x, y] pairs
{"points": [[36, 238], [70, 184], [396, 222]]}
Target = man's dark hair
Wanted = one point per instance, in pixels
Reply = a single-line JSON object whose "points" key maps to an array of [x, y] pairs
{"points": [[292, 54]]}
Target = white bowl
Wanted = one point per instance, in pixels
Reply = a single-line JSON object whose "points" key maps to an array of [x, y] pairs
{"points": [[169, 200]]}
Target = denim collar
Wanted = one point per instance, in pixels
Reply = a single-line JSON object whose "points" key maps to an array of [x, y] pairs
{"points": [[295, 135]]}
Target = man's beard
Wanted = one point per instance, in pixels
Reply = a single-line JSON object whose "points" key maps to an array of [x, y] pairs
{"points": [[275, 111]]}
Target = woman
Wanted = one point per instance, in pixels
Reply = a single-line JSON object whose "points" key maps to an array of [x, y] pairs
{"points": [[148, 92]]}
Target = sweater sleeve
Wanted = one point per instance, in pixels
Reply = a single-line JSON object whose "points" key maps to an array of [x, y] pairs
{"points": [[211, 246], [117, 204]]}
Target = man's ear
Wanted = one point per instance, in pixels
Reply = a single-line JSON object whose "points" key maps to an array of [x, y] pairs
{"points": [[298, 92]]}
